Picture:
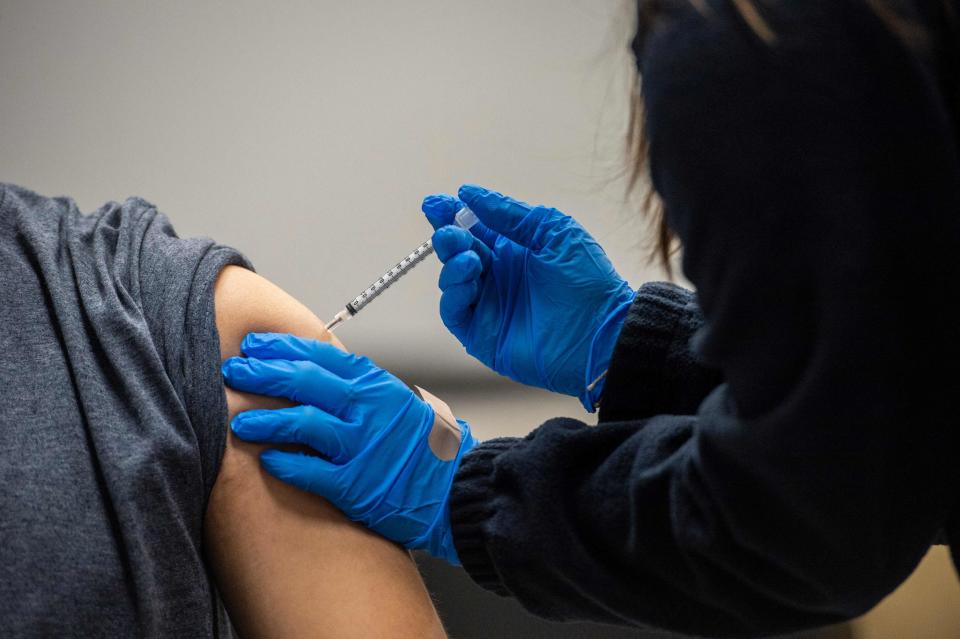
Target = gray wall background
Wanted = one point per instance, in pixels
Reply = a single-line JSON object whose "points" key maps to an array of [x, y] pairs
{"points": [[307, 133]]}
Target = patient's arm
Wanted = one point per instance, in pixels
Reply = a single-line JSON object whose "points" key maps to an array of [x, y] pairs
{"points": [[286, 562]]}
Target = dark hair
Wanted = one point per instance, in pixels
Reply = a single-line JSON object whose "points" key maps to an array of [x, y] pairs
{"points": [[649, 11], [638, 149]]}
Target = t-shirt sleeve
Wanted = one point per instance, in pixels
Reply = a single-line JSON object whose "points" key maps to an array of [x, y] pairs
{"points": [[176, 286], [120, 414]]}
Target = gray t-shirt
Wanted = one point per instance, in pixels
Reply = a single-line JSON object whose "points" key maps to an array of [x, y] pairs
{"points": [[112, 421]]}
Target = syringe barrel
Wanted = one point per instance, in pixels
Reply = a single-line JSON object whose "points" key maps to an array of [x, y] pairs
{"points": [[464, 218], [387, 279]]}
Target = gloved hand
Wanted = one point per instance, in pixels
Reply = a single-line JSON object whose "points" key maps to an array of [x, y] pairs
{"points": [[528, 291], [373, 432]]}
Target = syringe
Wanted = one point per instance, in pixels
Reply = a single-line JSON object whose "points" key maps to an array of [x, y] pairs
{"points": [[465, 218]]}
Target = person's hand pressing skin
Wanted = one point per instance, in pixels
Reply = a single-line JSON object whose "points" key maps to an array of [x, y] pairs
{"points": [[371, 430], [528, 291]]}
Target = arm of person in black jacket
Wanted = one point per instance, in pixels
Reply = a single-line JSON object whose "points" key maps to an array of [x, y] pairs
{"points": [[662, 375], [814, 185]]}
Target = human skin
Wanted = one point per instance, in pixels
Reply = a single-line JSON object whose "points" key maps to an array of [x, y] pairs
{"points": [[287, 563]]}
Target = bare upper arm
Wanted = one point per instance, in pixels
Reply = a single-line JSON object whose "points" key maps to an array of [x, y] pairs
{"points": [[287, 563]]}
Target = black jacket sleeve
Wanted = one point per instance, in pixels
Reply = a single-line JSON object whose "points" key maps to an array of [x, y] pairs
{"points": [[813, 180], [658, 373]]}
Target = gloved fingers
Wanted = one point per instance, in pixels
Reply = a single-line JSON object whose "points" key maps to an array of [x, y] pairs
{"points": [[312, 474], [456, 304], [307, 425], [325, 354], [449, 241], [511, 218], [441, 210], [299, 381], [461, 268]]}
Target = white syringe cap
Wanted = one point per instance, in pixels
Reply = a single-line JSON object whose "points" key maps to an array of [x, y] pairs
{"points": [[465, 218]]}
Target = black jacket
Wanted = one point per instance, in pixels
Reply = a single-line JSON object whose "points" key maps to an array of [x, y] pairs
{"points": [[780, 450]]}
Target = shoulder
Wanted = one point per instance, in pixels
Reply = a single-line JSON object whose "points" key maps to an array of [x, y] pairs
{"points": [[44, 219], [19, 203]]}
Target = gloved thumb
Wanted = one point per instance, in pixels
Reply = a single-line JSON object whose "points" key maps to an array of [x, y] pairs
{"points": [[511, 218]]}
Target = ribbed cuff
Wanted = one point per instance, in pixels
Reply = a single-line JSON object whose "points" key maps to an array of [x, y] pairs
{"points": [[653, 370], [471, 506]]}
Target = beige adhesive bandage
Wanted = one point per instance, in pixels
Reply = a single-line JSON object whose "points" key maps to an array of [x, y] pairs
{"points": [[445, 436]]}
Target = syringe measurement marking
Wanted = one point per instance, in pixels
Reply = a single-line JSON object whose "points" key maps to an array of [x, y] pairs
{"points": [[464, 218], [388, 278]]}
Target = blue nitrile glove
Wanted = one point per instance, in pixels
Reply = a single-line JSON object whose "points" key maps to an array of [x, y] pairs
{"points": [[373, 432], [528, 291]]}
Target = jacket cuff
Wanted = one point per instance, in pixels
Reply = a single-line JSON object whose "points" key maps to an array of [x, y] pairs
{"points": [[471, 506], [653, 369]]}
